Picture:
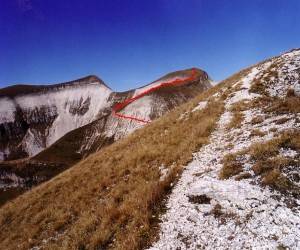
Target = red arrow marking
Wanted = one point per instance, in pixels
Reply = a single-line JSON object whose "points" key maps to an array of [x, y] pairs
{"points": [[119, 106]]}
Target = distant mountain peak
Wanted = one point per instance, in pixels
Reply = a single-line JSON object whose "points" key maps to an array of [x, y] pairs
{"points": [[25, 89]]}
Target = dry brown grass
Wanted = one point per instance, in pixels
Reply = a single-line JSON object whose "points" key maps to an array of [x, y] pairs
{"points": [[288, 139], [243, 175], [257, 120], [239, 106], [236, 120], [262, 151], [289, 104], [237, 112], [257, 132], [258, 87], [265, 165], [231, 167], [277, 180], [108, 200], [274, 130], [282, 120], [266, 162]]}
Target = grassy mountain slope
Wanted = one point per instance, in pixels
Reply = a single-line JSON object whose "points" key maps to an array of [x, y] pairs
{"points": [[111, 194]]}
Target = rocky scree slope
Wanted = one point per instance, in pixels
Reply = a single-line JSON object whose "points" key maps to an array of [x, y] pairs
{"points": [[242, 190], [60, 124]]}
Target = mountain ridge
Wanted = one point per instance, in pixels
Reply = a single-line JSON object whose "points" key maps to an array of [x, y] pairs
{"points": [[24, 89]]}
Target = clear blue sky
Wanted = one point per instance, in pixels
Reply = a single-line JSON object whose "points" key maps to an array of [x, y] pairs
{"points": [[128, 43]]}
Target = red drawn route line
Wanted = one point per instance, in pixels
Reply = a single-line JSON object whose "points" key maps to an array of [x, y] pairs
{"points": [[119, 106]]}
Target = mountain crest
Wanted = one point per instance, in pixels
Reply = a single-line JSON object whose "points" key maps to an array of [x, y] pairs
{"points": [[26, 89]]}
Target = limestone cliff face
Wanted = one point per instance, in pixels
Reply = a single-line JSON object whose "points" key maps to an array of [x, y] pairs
{"points": [[34, 117]]}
